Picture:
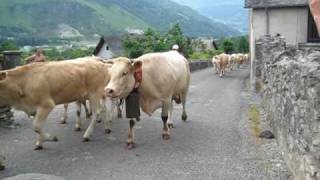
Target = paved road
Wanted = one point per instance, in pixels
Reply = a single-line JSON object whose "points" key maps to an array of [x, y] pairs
{"points": [[215, 143]]}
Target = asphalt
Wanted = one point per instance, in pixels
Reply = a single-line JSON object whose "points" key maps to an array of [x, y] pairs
{"points": [[215, 142]]}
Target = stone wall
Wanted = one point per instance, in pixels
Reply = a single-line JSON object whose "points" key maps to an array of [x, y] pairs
{"points": [[291, 98], [5, 111], [198, 65]]}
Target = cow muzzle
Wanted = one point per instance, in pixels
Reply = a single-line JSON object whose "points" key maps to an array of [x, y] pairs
{"points": [[109, 92]]}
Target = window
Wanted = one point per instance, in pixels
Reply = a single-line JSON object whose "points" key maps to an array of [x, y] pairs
{"points": [[313, 35], [107, 48]]}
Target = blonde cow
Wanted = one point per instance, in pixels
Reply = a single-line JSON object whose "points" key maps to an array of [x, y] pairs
{"points": [[220, 63], [37, 88], [165, 77]]}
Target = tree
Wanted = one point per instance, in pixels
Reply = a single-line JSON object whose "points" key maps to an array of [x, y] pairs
{"points": [[152, 41], [228, 46], [243, 45], [8, 45]]}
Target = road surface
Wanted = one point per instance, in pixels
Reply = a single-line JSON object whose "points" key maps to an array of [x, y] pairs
{"points": [[214, 143]]}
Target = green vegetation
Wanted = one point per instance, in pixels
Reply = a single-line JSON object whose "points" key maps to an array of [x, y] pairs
{"points": [[152, 41], [254, 120], [8, 45], [227, 46], [53, 54], [235, 45], [40, 20]]}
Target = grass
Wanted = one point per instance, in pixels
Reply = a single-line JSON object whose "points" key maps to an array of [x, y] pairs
{"points": [[258, 86], [255, 121]]}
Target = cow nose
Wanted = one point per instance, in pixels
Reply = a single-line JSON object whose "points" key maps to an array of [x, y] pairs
{"points": [[109, 91]]}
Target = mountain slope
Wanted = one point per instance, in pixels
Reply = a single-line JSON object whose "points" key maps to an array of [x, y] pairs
{"points": [[68, 18], [231, 12]]}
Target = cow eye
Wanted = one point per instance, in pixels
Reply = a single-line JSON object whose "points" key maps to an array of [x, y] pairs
{"points": [[124, 74]]}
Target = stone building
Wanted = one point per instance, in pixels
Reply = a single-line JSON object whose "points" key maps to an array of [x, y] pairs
{"points": [[289, 19]]}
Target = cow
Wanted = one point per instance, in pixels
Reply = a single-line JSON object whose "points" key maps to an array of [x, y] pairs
{"points": [[220, 63], [115, 108], [240, 59], [78, 104], [232, 61], [165, 77], [38, 87]]}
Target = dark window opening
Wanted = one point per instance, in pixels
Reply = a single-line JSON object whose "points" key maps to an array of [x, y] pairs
{"points": [[313, 35], [107, 48]]}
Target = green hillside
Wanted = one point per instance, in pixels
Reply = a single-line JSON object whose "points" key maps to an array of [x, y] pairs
{"points": [[56, 18]]}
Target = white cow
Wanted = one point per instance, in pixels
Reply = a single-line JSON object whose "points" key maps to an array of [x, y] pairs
{"points": [[165, 77]]}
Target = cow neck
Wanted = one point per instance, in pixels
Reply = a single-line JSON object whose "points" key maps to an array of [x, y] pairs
{"points": [[137, 77]]}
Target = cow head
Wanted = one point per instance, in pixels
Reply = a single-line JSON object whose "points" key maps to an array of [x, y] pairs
{"points": [[3, 75], [122, 74], [9, 90]]}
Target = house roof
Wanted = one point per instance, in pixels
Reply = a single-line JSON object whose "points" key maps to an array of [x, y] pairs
{"points": [[275, 3], [113, 42]]}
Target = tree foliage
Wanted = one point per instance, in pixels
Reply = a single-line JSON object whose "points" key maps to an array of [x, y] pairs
{"points": [[8, 45], [152, 41], [227, 46]]}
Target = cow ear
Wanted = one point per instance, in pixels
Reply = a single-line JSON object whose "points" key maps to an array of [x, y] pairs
{"points": [[137, 65], [109, 61], [3, 75]]}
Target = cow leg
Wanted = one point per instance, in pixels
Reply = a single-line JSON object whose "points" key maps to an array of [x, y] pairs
{"points": [[107, 117], [220, 72], [164, 116], [217, 69], [130, 140], [88, 112], [184, 116], [65, 114], [119, 108], [41, 116], [78, 119], [170, 122], [96, 111]]}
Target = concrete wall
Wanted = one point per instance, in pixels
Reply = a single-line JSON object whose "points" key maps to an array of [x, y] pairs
{"points": [[292, 23], [291, 99]]}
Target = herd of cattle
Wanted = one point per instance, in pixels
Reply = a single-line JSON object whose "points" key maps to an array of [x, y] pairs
{"points": [[37, 88], [223, 61], [160, 79]]}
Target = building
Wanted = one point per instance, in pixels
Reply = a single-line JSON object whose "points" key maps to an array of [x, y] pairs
{"points": [[289, 18], [204, 43], [108, 47]]}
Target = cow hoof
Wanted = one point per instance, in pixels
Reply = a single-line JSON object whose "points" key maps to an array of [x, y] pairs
{"points": [[107, 131], [131, 145], [38, 148], [77, 129], [184, 117], [170, 125], [165, 136], [55, 139], [63, 122], [85, 140], [2, 167]]}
